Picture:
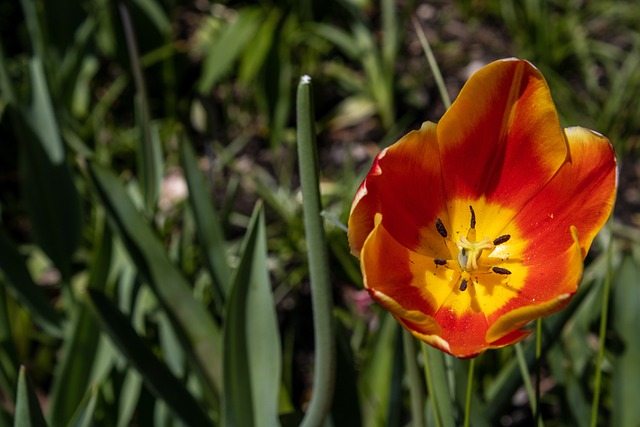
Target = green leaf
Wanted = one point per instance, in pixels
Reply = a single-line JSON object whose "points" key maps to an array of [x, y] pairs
{"points": [[52, 199], [376, 378], [228, 47], [129, 396], [254, 54], [8, 356], [84, 417], [190, 318], [346, 403], [626, 369], [157, 376], [251, 338], [208, 223], [21, 285], [28, 412], [435, 362], [73, 374]]}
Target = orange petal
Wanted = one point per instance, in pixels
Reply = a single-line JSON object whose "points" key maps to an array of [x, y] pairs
{"points": [[401, 275], [548, 288], [501, 138], [404, 185], [414, 290], [581, 194]]}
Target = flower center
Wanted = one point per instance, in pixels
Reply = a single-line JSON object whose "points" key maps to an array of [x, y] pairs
{"points": [[470, 251]]}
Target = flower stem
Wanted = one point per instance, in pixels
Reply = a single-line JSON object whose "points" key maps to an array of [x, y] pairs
{"points": [[601, 337], [538, 414], [467, 406], [430, 390], [324, 370], [415, 385], [526, 378]]}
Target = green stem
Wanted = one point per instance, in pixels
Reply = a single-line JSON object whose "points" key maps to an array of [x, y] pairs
{"points": [[467, 406], [430, 388], [538, 414], [324, 369], [526, 378], [147, 162], [433, 64], [415, 385], [601, 336]]}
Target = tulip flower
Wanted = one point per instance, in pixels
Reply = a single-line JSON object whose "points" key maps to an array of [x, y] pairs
{"points": [[469, 229]]}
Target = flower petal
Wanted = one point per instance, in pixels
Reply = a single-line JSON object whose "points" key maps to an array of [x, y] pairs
{"points": [[404, 185], [392, 270], [581, 194], [501, 138], [424, 298], [548, 288]]}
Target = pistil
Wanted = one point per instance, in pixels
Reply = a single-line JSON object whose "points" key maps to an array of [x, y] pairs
{"points": [[470, 251]]}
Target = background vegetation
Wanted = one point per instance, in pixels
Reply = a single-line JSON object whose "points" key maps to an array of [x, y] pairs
{"points": [[153, 260]]}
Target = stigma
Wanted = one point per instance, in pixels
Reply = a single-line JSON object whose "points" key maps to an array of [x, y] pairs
{"points": [[470, 251]]}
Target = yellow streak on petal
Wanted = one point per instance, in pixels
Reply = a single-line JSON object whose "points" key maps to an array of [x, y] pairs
{"points": [[426, 323]]}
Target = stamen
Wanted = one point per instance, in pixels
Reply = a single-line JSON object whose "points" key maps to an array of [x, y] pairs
{"points": [[473, 217], [502, 239], [463, 285], [440, 228], [440, 261], [500, 270]]}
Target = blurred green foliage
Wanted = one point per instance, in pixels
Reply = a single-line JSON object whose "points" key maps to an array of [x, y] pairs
{"points": [[141, 280]]}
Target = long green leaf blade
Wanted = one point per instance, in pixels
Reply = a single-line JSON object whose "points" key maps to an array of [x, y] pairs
{"points": [[170, 286], [208, 227], [157, 376], [52, 199], [251, 338], [626, 370], [28, 412]]}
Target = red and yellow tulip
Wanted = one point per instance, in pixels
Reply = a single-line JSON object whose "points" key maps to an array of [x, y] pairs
{"points": [[469, 229]]}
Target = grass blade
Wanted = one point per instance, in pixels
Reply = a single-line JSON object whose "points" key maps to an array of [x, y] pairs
{"points": [[324, 369], [52, 199], [72, 373], [208, 224], [250, 333], [376, 379], [8, 356], [21, 285], [440, 395], [626, 370], [157, 376], [229, 47], [28, 412], [414, 379], [191, 319], [84, 417], [149, 157]]}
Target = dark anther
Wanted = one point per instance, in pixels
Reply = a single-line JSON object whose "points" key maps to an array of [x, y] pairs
{"points": [[500, 270], [501, 239], [473, 217], [440, 228], [463, 285], [440, 261]]}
